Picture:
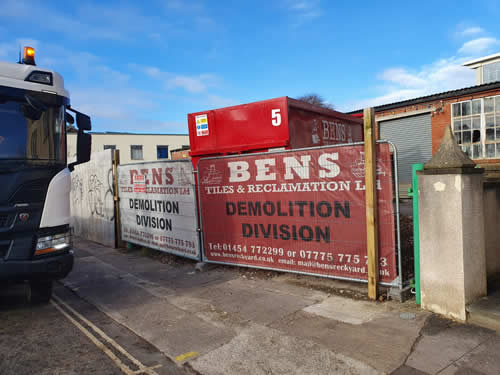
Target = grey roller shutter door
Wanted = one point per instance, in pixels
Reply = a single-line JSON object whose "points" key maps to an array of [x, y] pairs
{"points": [[413, 139]]}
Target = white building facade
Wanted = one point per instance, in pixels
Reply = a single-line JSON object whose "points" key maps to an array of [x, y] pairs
{"points": [[133, 147], [487, 68]]}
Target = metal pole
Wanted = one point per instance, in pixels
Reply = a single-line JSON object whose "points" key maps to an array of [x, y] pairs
{"points": [[398, 226], [416, 230], [200, 215], [116, 198]]}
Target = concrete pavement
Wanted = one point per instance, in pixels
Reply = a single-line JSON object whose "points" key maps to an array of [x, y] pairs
{"points": [[226, 320]]}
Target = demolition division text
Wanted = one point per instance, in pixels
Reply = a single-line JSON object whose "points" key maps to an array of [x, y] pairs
{"points": [[154, 205], [307, 233]]}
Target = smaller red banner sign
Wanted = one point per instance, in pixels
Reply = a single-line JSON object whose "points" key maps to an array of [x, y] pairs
{"points": [[139, 184]]}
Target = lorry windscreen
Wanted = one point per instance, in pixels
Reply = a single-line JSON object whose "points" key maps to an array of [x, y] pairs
{"points": [[31, 130]]}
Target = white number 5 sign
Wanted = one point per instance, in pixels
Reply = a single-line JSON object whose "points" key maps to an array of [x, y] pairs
{"points": [[276, 117]]}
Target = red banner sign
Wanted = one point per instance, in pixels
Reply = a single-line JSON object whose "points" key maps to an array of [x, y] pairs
{"points": [[300, 211]]}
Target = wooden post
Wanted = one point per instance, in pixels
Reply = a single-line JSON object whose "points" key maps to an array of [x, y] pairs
{"points": [[116, 198], [371, 202]]}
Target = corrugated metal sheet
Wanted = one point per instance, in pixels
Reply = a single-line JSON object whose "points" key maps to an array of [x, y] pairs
{"points": [[413, 138]]}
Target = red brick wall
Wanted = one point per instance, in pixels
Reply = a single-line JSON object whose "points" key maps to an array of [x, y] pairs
{"points": [[440, 119]]}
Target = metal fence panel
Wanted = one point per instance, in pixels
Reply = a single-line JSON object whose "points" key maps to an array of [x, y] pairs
{"points": [[92, 203], [299, 211], [158, 206]]}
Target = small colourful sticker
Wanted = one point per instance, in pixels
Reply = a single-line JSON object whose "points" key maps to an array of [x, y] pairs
{"points": [[139, 183], [201, 125]]}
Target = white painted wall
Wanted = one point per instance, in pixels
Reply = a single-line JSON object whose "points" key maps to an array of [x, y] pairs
{"points": [[123, 142], [92, 205]]}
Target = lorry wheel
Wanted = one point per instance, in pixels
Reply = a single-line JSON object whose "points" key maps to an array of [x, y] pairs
{"points": [[39, 291]]}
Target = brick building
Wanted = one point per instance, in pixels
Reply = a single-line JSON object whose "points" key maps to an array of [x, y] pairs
{"points": [[416, 126]]}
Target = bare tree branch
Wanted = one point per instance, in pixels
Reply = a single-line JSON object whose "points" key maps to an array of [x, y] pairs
{"points": [[316, 99]]}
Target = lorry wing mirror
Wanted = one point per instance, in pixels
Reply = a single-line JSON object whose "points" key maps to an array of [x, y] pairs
{"points": [[83, 121], [69, 119], [83, 149]]}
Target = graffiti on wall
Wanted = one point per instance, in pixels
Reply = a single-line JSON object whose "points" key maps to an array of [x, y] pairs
{"points": [[98, 193], [92, 203], [76, 189]]}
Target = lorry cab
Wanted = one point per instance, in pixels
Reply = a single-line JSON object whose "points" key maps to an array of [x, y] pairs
{"points": [[35, 237]]}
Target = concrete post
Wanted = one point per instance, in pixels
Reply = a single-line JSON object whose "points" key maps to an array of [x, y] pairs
{"points": [[452, 246]]}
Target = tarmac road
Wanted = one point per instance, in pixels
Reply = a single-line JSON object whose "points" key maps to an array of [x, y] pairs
{"points": [[225, 320], [70, 336]]}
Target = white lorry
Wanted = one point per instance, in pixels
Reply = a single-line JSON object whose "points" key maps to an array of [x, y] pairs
{"points": [[35, 181]]}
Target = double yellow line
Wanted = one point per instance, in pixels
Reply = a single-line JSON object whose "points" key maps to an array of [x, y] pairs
{"points": [[79, 321]]}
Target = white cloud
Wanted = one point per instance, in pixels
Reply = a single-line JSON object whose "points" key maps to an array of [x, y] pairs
{"points": [[206, 23], [469, 31], [87, 21], [117, 105], [303, 5], [110, 95], [190, 84], [122, 23], [194, 84], [215, 101], [82, 64], [400, 75], [122, 108], [401, 84], [108, 103], [96, 88], [303, 11], [184, 6], [33, 12], [199, 16], [478, 46]]}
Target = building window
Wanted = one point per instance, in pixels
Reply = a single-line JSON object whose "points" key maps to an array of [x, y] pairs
{"points": [[136, 152], [476, 125], [162, 152], [110, 147], [491, 72]]}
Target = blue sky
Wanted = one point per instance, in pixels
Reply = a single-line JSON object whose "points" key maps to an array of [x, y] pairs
{"points": [[144, 65]]}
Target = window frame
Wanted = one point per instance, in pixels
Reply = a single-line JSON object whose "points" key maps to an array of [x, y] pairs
{"points": [[131, 152], [157, 149], [497, 70], [483, 127]]}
